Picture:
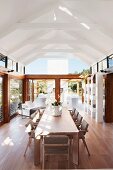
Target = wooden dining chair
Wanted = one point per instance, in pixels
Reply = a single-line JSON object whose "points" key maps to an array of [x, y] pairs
{"points": [[72, 111], [55, 145], [83, 129], [78, 120], [30, 129], [75, 116]]}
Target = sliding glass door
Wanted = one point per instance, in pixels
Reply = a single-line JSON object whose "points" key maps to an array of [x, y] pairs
{"points": [[15, 95]]}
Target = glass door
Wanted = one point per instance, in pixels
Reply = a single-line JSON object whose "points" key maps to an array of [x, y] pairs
{"points": [[15, 95]]}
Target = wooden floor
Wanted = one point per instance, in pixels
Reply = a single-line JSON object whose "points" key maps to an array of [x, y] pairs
{"points": [[13, 140]]}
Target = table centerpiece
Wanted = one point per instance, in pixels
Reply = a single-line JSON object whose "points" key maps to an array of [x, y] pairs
{"points": [[57, 108]]}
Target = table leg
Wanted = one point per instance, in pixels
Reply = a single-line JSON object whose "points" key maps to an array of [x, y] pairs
{"points": [[76, 149], [36, 152]]}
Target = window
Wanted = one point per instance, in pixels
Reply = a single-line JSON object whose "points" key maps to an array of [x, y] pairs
{"points": [[15, 95], [94, 68], [11, 64], [20, 68], [102, 64], [110, 61], [41, 86]]}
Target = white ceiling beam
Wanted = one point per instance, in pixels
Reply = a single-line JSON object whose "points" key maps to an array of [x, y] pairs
{"points": [[87, 52], [41, 55], [91, 44], [55, 41], [8, 31], [11, 28], [49, 6], [27, 41], [84, 18], [56, 50], [35, 56], [45, 26], [84, 58], [30, 52]]}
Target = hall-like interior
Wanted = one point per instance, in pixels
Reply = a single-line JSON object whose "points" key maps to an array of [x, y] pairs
{"points": [[56, 65]]}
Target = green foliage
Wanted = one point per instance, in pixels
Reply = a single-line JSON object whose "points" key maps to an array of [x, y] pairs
{"points": [[74, 87], [56, 103], [42, 87], [85, 72]]}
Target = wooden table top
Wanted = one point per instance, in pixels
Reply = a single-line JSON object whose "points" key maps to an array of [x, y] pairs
{"points": [[50, 124]]}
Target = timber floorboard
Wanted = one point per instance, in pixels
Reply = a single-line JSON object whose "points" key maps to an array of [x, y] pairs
{"points": [[13, 141]]}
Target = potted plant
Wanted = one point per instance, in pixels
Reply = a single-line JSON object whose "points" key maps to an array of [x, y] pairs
{"points": [[57, 108], [56, 103]]}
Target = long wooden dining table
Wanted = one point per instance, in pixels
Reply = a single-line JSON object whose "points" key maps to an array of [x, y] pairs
{"points": [[57, 125]]}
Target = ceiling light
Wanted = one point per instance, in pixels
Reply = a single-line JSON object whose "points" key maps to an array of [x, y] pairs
{"points": [[54, 17], [85, 25], [65, 10]]}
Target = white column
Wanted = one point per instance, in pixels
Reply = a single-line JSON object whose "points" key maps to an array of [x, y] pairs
{"points": [[99, 97]]}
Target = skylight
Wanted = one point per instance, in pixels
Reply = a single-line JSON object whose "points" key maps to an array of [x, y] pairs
{"points": [[65, 10], [85, 26]]}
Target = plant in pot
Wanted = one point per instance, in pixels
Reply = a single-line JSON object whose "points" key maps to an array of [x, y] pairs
{"points": [[57, 108]]}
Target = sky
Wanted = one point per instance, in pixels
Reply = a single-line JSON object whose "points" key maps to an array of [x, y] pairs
{"points": [[40, 66]]}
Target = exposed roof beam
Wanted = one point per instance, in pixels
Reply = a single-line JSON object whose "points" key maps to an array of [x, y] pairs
{"points": [[55, 41], [57, 50], [45, 26], [29, 18], [84, 18], [84, 57], [8, 31], [27, 41], [83, 38], [28, 60], [30, 52], [38, 13], [87, 52]]}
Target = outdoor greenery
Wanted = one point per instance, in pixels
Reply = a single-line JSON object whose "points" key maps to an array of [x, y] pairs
{"points": [[56, 103], [73, 87], [85, 72], [15, 94], [41, 87], [15, 90]]}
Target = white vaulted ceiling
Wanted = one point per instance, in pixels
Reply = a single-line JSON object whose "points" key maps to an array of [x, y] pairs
{"points": [[30, 29]]}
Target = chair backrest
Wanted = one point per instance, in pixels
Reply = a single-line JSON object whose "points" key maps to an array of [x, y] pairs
{"points": [[56, 145], [36, 117], [75, 116], [79, 119], [29, 126], [73, 111], [56, 140], [84, 126]]}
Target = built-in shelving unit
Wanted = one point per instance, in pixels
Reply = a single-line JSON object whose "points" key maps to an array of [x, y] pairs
{"points": [[94, 96], [90, 97]]}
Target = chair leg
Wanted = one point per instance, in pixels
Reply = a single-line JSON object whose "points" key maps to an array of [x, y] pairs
{"points": [[68, 158], [28, 144], [43, 159], [86, 146]]}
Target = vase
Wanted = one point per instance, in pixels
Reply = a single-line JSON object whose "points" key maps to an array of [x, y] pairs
{"points": [[57, 110]]}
